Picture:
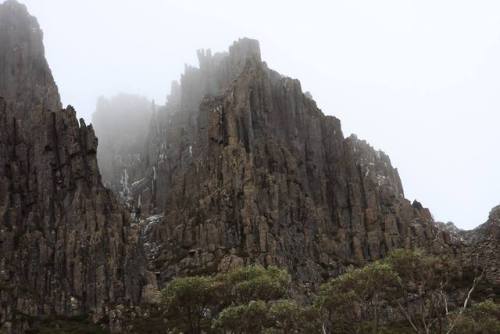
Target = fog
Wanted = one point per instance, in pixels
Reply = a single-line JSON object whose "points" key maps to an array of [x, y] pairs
{"points": [[121, 123], [417, 79]]}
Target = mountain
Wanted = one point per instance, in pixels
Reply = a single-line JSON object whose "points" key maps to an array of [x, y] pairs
{"points": [[66, 246], [242, 167]]}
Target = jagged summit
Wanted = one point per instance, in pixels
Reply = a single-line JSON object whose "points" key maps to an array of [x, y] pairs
{"points": [[482, 246], [15, 5], [491, 229], [26, 82], [242, 167], [239, 52], [66, 246], [243, 49], [495, 213], [378, 166], [239, 166]]}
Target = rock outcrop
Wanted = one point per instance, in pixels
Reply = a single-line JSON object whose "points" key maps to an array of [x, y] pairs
{"points": [[242, 167], [66, 247], [482, 247], [25, 81]]}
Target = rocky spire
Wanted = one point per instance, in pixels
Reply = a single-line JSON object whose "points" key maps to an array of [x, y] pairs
{"points": [[26, 82], [66, 247]]}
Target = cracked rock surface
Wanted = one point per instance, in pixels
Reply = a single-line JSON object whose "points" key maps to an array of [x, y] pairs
{"points": [[244, 167], [66, 247]]}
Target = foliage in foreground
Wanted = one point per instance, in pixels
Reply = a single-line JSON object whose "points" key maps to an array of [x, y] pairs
{"points": [[407, 292], [250, 299]]}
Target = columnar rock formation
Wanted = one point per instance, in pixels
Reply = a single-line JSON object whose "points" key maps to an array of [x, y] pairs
{"points": [[25, 81], [245, 168], [66, 247], [239, 166]]}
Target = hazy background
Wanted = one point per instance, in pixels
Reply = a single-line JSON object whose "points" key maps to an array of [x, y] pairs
{"points": [[417, 79]]}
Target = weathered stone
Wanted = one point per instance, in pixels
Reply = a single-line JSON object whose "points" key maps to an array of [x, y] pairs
{"points": [[481, 247], [244, 165], [239, 167], [66, 247]]}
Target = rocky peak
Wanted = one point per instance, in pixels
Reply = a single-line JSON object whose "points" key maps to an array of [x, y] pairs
{"points": [[26, 82], [495, 214], [376, 165], [216, 71], [243, 50], [456, 235], [451, 227], [482, 246], [240, 166], [245, 168], [239, 53], [491, 229], [66, 247], [178, 120]]}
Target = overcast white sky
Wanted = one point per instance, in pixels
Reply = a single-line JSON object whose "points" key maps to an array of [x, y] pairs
{"points": [[417, 79]]}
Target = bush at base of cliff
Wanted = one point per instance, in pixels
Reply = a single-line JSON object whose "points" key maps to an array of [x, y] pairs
{"points": [[249, 299], [407, 292]]}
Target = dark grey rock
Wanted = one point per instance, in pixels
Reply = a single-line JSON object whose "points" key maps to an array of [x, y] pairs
{"points": [[245, 168], [66, 246]]}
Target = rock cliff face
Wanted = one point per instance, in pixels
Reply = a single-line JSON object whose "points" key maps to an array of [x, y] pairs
{"points": [[25, 81], [242, 166], [482, 247], [66, 247]]}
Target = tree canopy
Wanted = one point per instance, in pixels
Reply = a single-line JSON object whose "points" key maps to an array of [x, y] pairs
{"points": [[407, 292]]}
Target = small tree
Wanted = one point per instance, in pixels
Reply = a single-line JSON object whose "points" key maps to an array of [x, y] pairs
{"points": [[193, 303], [415, 283], [247, 318], [422, 284], [424, 290], [275, 317], [337, 302], [481, 318], [357, 295], [287, 316], [189, 302], [254, 282]]}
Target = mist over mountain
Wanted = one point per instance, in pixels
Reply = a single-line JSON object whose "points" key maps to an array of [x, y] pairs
{"points": [[122, 123], [417, 79], [236, 205]]}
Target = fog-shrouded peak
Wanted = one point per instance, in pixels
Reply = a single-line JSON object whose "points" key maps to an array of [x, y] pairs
{"points": [[66, 245], [26, 81], [238, 171]]}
